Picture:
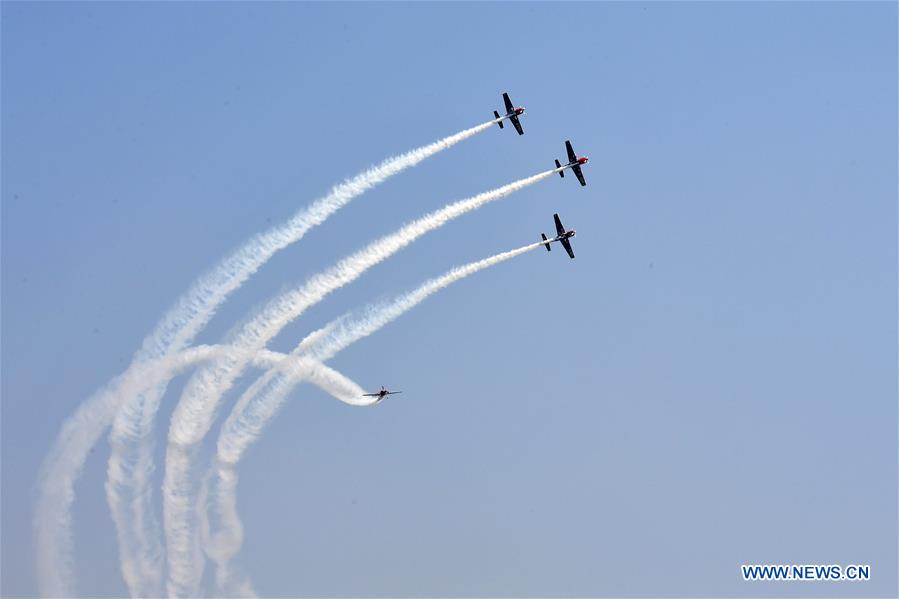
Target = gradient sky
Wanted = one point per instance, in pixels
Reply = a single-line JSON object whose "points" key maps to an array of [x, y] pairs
{"points": [[711, 382]]}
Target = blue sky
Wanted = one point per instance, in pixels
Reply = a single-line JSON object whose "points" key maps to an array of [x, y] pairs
{"points": [[711, 382]]}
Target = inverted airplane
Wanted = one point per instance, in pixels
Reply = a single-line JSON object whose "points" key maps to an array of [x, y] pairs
{"points": [[574, 163], [512, 114], [562, 236], [381, 394]]}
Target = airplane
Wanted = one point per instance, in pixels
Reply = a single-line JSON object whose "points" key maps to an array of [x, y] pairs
{"points": [[512, 114], [562, 236], [381, 394], [574, 163]]}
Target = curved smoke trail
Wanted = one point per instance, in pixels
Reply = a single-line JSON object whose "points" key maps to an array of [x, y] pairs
{"points": [[81, 432], [262, 400], [52, 520], [196, 409]]}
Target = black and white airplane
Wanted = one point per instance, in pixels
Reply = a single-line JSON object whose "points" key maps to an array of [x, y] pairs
{"points": [[381, 394], [562, 236], [512, 114], [574, 163]]}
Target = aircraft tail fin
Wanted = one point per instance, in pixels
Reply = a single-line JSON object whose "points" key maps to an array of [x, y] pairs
{"points": [[500, 123], [559, 165], [548, 248]]}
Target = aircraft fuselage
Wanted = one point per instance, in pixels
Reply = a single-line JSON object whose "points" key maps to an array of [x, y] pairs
{"points": [[565, 235], [517, 112], [578, 162]]}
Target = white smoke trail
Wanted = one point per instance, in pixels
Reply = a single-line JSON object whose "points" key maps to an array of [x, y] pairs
{"points": [[174, 332], [261, 402], [196, 409], [56, 481]]}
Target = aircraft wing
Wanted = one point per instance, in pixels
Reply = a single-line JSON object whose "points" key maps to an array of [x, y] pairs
{"points": [[393, 392], [577, 173], [517, 124], [509, 107], [572, 157], [560, 230], [567, 245], [370, 394]]}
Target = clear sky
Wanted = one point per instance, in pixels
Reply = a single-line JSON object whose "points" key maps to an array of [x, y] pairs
{"points": [[711, 382]]}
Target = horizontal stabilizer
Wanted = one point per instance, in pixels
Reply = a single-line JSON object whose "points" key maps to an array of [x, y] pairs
{"points": [[548, 249], [559, 165], [500, 123]]}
